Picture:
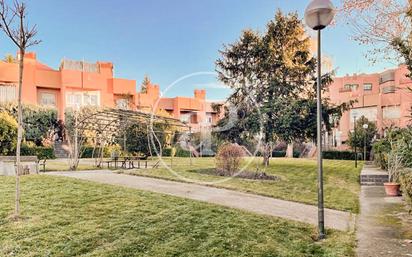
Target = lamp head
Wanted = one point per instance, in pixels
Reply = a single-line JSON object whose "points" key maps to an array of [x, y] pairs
{"points": [[319, 14]]}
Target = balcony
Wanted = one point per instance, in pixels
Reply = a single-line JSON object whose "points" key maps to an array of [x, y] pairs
{"points": [[387, 76], [388, 89]]}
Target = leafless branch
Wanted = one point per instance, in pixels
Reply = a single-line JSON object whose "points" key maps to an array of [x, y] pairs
{"points": [[376, 23], [13, 24]]}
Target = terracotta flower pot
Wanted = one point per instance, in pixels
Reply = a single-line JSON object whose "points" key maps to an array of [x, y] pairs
{"points": [[392, 189]]}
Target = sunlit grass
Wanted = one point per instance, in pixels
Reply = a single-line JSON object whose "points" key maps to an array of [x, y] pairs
{"points": [[68, 217], [298, 179]]}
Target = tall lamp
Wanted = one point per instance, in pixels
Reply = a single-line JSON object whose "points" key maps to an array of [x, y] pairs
{"points": [[318, 15], [365, 127], [355, 138]]}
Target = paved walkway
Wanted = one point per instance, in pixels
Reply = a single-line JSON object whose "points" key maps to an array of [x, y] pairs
{"points": [[381, 230], [250, 202]]}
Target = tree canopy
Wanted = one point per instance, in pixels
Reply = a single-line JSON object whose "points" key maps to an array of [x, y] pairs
{"points": [[362, 135], [273, 77]]}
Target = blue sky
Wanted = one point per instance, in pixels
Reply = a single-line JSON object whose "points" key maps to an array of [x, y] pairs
{"points": [[166, 39]]}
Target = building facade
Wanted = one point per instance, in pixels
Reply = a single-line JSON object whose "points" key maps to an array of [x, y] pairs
{"points": [[383, 98], [77, 83]]}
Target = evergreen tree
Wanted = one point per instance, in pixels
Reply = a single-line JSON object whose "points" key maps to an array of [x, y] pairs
{"points": [[145, 83], [9, 58], [362, 135], [276, 73]]}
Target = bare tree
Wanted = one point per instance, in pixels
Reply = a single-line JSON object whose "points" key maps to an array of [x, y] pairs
{"points": [[14, 24], [377, 23]]}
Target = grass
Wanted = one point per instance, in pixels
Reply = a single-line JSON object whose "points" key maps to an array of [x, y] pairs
{"points": [[68, 217], [298, 179], [63, 165]]}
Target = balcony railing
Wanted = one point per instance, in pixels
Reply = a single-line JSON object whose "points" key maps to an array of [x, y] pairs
{"points": [[388, 89]]}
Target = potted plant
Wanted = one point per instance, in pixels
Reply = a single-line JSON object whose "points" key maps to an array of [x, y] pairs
{"points": [[395, 166]]}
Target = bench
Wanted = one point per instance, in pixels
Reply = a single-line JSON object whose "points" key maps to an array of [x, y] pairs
{"points": [[29, 165]]}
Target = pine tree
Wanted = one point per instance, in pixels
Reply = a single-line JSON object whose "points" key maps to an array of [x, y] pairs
{"points": [[273, 72], [145, 83], [9, 58]]}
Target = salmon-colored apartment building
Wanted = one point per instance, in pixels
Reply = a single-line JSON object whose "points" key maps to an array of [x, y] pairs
{"points": [[77, 83], [383, 98]]}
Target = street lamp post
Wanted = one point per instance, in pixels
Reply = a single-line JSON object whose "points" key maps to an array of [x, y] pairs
{"points": [[355, 141], [318, 15], [365, 127]]}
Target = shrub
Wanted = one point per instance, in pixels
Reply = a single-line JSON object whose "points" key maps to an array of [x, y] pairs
{"points": [[41, 152], [339, 155], [168, 152], [180, 152], [278, 154], [383, 147], [8, 133], [38, 121], [380, 151], [228, 158], [87, 151], [406, 185]]}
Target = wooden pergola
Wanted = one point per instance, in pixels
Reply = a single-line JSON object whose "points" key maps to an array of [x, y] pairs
{"points": [[106, 125]]}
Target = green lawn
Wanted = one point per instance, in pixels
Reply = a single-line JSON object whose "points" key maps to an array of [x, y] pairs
{"points": [[298, 179], [68, 217], [63, 165]]}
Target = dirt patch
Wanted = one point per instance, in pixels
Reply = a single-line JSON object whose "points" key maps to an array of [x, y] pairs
{"points": [[244, 174]]}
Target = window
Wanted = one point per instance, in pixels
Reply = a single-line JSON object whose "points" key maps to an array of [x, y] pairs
{"points": [[367, 87], [347, 86], [391, 112], [7, 93], [48, 99], [371, 113], [185, 117], [209, 118], [122, 104], [78, 99], [350, 87], [89, 99]]}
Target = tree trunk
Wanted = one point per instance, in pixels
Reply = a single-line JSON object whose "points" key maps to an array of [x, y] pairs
{"points": [[266, 154], [289, 151], [19, 136]]}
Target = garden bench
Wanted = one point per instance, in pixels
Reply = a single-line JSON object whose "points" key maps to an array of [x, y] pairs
{"points": [[42, 163], [29, 164]]}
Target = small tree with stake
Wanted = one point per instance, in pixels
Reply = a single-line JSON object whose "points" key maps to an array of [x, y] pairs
{"points": [[13, 23]]}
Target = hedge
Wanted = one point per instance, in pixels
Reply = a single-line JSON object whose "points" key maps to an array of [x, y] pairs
{"points": [[87, 152], [39, 151], [179, 152], [277, 154], [341, 155], [406, 186]]}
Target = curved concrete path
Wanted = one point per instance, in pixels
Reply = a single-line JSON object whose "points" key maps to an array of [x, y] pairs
{"points": [[250, 202]]}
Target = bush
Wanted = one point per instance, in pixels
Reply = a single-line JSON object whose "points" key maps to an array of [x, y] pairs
{"points": [[8, 133], [180, 152], [228, 158], [383, 147], [39, 151], [380, 151], [167, 152], [278, 154], [38, 121], [406, 185], [107, 151], [339, 155]]}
